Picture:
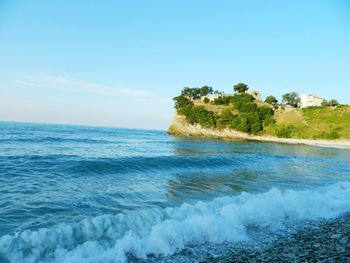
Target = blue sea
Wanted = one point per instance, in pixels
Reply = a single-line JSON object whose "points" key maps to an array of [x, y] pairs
{"points": [[91, 194]]}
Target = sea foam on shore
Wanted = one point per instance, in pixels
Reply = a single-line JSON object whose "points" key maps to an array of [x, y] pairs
{"points": [[163, 232], [328, 241]]}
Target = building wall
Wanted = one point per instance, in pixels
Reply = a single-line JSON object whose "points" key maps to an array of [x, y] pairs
{"points": [[256, 94], [308, 100], [210, 97]]}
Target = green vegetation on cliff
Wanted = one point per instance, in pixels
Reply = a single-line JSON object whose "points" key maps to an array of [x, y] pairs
{"points": [[243, 112], [327, 123]]}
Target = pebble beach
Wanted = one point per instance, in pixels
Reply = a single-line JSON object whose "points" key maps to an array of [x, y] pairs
{"points": [[329, 241]]}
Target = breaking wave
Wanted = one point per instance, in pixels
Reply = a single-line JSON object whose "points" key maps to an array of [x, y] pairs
{"points": [[166, 231]]}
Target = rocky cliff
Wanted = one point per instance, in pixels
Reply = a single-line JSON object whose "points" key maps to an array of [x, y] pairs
{"points": [[180, 126]]}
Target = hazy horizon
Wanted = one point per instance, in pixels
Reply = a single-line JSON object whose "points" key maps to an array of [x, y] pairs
{"points": [[82, 125], [119, 64]]}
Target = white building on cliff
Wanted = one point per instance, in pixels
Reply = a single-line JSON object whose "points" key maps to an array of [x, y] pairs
{"points": [[308, 100]]}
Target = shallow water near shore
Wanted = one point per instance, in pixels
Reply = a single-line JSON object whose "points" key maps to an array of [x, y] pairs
{"points": [[73, 193]]}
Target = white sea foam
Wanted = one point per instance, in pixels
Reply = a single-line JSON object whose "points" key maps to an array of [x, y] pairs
{"points": [[167, 231]]}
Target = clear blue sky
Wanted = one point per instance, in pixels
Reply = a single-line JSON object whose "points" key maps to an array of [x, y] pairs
{"points": [[119, 63]]}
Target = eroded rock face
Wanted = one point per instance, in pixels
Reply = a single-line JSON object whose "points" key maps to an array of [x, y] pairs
{"points": [[180, 126]]}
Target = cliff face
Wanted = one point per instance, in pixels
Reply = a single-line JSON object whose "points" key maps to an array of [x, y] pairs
{"points": [[180, 126]]}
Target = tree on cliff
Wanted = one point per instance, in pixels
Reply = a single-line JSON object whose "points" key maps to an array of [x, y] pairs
{"points": [[333, 102], [271, 100], [206, 90], [291, 99], [245, 116], [181, 102], [192, 93], [196, 93], [240, 87]]}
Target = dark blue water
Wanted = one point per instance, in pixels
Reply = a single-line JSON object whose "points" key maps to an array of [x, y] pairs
{"points": [[72, 193]]}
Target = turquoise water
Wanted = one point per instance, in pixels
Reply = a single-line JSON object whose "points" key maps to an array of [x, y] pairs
{"points": [[72, 193]]}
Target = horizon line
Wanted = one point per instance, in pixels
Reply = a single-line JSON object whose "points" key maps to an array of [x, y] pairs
{"points": [[82, 125]]}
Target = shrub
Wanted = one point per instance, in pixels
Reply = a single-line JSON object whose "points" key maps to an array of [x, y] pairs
{"points": [[332, 135], [248, 122], [271, 100], [255, 123], [333, 102], [242, 124], [266, 114], [222, 100], [181, 101], [186, 110], [246, 107], [243, 98], [206, 100], [284, 131], [244, 102], [225, 119], [198, 114]]}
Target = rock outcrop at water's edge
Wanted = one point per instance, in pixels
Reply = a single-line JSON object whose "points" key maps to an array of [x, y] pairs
{"points": [[180, 126]]}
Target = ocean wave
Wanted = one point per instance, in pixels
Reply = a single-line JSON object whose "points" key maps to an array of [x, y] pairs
{"points": [[163, 232], [159, 163], [122, 165]]}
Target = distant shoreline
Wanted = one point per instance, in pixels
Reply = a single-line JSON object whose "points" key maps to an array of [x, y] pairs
{"points": [[343, 144], [180, 126]]}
